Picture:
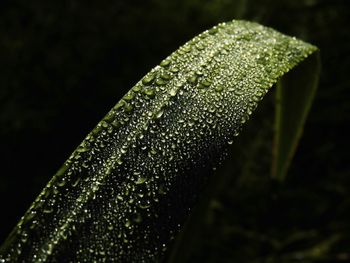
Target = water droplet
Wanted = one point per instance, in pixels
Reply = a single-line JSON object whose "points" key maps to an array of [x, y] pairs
{"points": [[186, 48], [61, 183], [165, 63], [219, 88], [153, 151], [143, 205], [128, 108], [75, 182], [209, 120], [213, 31], [200, 46], [192, 79], [141, 180], [199, 73], [159, 114], [165, 76], [127, 223], [129, 96], [24, 238], [160, 82], [206, 83], [174, 70], [48, 210], [172, 92], [119, 105], [116, 124], [149, 92], [109, 117], [148, 79], [104, 124], [123, 150], [137, 88], [82, 149], [64, 235]]}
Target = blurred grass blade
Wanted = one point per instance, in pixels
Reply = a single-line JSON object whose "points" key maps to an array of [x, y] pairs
{"points": [[294, 96], [127, 189]]}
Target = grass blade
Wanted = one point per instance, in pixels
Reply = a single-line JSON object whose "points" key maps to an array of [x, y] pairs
{"points": [[127, 189], [294, 96]]}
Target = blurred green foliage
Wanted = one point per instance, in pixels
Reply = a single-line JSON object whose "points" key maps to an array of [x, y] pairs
{"points": [[65, 63]]}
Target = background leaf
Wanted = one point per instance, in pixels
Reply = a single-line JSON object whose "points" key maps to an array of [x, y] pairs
{"points": [[294, 96]]}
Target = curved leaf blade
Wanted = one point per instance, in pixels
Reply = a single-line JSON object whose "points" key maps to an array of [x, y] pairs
{"points": [[126, 190], [294, 96]]}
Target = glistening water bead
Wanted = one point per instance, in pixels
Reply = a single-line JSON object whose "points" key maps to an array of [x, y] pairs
{"points": [[127, 189]]}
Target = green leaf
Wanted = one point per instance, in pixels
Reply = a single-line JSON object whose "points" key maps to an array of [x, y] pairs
{"points": [[294, 96], [128, 188]]}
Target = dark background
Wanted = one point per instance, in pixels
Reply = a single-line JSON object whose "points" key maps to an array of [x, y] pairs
{"points": [[64, 64]]}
